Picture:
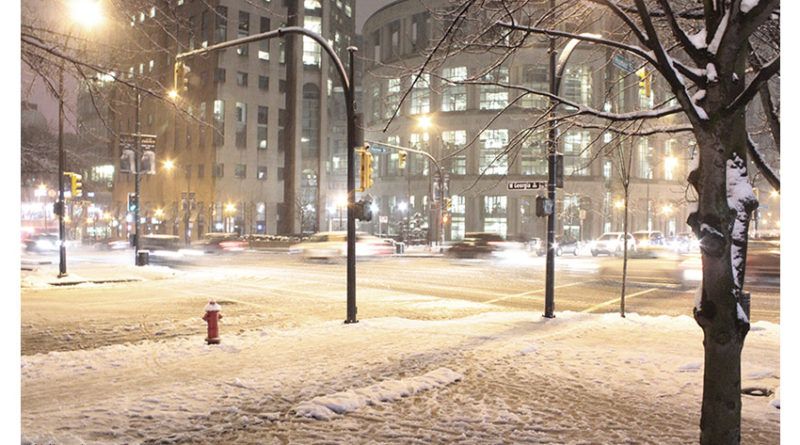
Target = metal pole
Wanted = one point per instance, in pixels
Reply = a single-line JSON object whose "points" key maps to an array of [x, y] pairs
{"points": [[441, 210], [62, 249], [136, 237], [549, 299], [351, 193]]}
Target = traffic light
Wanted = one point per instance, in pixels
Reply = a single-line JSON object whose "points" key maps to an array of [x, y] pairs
{"points": [[365, 168], [544, 206], [645, 82], [181, 81], [447, 203], [402, 159], [77, 185], [133, 202]]}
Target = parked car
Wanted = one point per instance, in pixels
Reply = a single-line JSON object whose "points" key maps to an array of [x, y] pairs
{"points": [[333, 245], [611, 243], [563, 244], [484, 245], [43, 243]]}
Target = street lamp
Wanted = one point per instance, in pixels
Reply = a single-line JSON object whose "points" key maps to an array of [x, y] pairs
{"points": [[86, 13]]}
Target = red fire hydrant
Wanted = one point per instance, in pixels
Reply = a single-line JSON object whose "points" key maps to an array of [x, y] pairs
{"points": [[212, 317]]}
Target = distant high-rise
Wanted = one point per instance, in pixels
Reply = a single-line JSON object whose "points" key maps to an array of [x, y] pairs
{"points": [[226, 136]]}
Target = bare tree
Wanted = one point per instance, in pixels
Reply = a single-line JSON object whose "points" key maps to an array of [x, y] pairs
{"points": [[715, 57]]}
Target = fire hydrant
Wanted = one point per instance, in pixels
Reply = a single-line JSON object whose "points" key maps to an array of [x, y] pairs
{"points": [[212, 317]]}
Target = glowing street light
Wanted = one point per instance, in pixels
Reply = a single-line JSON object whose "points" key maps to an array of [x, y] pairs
{"points": [[159, 213], [667, 209], [619, 204], [774, 194], [169, 165], [88, 13], [424, 122], [403, 206]]}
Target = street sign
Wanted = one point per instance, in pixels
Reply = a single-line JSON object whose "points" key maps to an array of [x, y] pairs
{"points": [[623, 63], [383, 219], [375, 148], [526, 185]]}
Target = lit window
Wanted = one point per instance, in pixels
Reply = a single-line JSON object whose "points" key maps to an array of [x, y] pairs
{"points": [[493, 160]]}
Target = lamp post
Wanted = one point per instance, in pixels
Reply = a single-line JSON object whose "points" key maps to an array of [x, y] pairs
{"points": [[87, 13]]}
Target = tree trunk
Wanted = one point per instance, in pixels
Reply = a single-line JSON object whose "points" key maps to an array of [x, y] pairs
{"points": [[717, 312]]}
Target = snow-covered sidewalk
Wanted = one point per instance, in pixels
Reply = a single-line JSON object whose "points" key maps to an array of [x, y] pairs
{"points": [[490, 378], [45, 274]]}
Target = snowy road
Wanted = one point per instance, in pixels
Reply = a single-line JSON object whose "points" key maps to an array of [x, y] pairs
{"points": [[443, 353]]}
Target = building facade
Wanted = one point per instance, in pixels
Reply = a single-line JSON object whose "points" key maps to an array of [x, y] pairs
{"points": [[221, 151], [452, 113]]}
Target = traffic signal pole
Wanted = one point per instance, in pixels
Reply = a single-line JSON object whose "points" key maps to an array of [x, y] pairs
{"points": [[549, 287], [441, 179], [352, 310], [349, 92]]}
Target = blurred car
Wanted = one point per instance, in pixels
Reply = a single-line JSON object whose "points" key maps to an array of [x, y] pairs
{"points": [[563, 243], [44, 243], [611, 243], [221, 242], [649, 243], [333, 245], [763, 265], [684, 242], [484, 245], [114, 244], [161, 247]]}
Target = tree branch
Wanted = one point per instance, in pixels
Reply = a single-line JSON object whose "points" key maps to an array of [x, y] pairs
{"points": [[762, 166], [764, 74]]}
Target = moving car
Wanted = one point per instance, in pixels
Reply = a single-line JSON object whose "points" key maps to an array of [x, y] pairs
{"points": [[214, 242], [649, 243], [563, 244], [484, 245], [763, 265], [43, 243], [333, 245], [611, 243]]}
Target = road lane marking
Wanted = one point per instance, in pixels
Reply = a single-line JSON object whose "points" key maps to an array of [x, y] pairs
{"points": [[530, 292], [606, 303]]}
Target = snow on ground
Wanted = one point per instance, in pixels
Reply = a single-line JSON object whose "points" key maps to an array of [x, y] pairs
{"points": [[46, 275], [489, 378]]}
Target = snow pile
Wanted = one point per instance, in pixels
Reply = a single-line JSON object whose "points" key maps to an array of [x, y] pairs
{"points": [[325, 407], [46, 275]]}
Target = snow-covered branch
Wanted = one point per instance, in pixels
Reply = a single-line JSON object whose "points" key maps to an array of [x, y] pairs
{"points": [[603, 41]]}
